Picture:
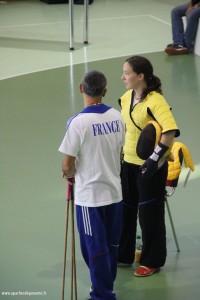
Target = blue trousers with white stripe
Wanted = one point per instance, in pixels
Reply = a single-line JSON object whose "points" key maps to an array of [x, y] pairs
{"points": [[99, 229]]}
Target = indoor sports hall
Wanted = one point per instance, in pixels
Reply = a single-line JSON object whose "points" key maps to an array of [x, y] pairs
{"points": [[39, 92]]}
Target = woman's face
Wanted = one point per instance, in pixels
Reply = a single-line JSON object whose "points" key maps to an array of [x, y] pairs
{"points": [[131, 79]]}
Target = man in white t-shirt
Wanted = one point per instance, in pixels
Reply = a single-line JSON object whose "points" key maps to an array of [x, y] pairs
{"points": [[92, 145]]}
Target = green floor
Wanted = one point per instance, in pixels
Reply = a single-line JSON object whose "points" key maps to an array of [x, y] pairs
{"points": [[33, 111]]}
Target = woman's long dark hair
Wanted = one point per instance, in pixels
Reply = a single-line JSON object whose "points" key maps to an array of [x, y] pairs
{"points": [[140, 64]]}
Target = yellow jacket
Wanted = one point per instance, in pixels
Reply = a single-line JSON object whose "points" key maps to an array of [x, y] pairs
{"points": [[180, 153], [157, 105]]}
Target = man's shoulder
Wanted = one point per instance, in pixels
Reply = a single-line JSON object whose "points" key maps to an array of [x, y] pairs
{"points": [[115, 111], [73, 120]]}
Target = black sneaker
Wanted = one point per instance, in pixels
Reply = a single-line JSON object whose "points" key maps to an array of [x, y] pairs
{"points": [[173, 49]]}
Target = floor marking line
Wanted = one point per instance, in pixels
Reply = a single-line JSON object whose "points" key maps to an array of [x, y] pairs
{"points": [[77, 63], [80, 21]]}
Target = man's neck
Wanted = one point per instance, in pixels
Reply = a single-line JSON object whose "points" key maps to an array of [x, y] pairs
{"points": [[89, 101]]}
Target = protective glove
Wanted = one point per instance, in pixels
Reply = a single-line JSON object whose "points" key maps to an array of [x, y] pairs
{"points": [[151, 165]]}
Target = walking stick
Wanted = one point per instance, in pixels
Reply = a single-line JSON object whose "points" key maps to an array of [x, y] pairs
{"points": [[70, 199]]}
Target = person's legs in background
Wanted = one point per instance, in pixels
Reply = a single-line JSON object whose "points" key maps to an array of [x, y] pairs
{"points": [[177, 14], [178, 45], [191, 28]]}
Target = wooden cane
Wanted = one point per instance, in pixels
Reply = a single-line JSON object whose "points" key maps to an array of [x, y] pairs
{"points": [[73, 275], [65, 246], [70, 198]]}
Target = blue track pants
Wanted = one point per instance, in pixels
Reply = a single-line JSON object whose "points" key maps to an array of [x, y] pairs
{"points": [[99, 229]]}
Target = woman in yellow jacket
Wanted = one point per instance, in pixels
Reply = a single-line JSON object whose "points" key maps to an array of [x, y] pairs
{"points": [[143, 182]]}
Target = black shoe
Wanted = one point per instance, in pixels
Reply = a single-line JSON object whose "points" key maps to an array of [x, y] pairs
{"points": [[173, 49], [172, 45]]}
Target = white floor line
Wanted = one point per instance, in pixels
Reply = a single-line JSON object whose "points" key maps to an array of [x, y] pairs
{"points": [[80, 21], [80, 62], [33, 24], [160, 20], [76, 63]]}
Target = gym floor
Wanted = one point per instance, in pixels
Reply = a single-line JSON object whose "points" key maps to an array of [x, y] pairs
{"points": [[39, 79]]}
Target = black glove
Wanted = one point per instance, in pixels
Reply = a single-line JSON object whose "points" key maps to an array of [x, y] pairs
{"points": [[151, 164], [148, 168]]}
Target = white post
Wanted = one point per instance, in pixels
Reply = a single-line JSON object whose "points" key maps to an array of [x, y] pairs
{"points": [[71, 24], [85, 26]]}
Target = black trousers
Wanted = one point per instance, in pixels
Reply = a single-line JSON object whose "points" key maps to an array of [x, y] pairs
{"points": [[144, 198]]}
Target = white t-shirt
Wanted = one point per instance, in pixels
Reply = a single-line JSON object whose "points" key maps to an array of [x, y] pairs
{"points": [[95, 137]]}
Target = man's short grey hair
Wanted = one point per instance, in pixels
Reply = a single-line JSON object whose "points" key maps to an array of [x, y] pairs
{"points": [[94, 83]]}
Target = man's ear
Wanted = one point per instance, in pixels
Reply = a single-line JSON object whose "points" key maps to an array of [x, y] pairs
{"points": [[81, 88], [104, 92]]}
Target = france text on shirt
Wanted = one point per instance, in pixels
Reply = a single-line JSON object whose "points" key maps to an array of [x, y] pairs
{"points": [[106, 128]]}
